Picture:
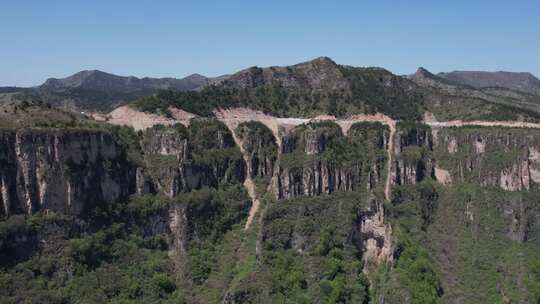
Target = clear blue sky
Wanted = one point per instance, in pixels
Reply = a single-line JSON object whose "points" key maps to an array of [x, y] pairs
{"points": [[41, 39]]}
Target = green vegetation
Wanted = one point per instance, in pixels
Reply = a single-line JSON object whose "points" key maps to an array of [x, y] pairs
{"points": [[475, 241], [292, 91], [307, 255], [126, 259], [508, 113], [44, 116], [363, 143], [533, 281], [112, 263], [378, 90], [486, 255], [211, 142], [259, 142], [322, 143], [201, 103]]}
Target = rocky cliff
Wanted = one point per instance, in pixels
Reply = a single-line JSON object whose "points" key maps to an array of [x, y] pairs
{"points": [[413, 145], [261, 147], [318, 159], [505, 158], [66, 171], [180, 159]]}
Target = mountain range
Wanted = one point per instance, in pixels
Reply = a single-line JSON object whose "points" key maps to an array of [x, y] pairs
{"points": [[96, 90], [320, 82]]}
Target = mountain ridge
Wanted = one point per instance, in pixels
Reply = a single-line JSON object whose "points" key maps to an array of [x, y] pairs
{"points": [[91, 78], [311, 87], [95, 90], [322, 86], [519, 81]]}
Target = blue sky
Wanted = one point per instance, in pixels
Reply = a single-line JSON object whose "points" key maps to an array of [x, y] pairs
{"points": [[41, 39]]}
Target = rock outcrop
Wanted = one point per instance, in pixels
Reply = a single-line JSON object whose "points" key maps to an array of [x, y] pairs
{"points": [[375, 236]]}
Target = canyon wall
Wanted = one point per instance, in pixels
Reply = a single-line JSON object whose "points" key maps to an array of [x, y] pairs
{"points": [[507, 158], [65, 171]]}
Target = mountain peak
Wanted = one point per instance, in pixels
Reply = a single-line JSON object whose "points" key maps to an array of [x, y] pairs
{"points": [[323, 60], [423, 72], [424, 77], [314, 74]]}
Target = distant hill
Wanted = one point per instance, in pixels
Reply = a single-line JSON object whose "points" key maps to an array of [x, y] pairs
{"points": [[97, 90], [522, 82], [444, 91], [98, 80]]}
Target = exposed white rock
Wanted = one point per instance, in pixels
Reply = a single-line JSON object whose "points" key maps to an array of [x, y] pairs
{"points": [[452, 146], [443, 176], [480, 146]]}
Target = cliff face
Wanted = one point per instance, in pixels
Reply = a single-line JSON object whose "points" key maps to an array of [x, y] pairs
{"points": [[180, 159], [318, 159], [508, 159], [505, 158], [261, 148], [70, 171], [413, 145], [61, 171]]}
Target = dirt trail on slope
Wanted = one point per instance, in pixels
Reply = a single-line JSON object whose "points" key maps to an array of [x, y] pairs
{"points": [[248, 181], [234, 116], [138, 120], [392, 125], [430, 120], [480, 123]]}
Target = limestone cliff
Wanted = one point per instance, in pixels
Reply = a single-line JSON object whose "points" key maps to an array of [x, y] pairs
{"points": [[318, 159], [413, 162], [260, 144], [494, 157], [180, 159], [66, 171]]}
